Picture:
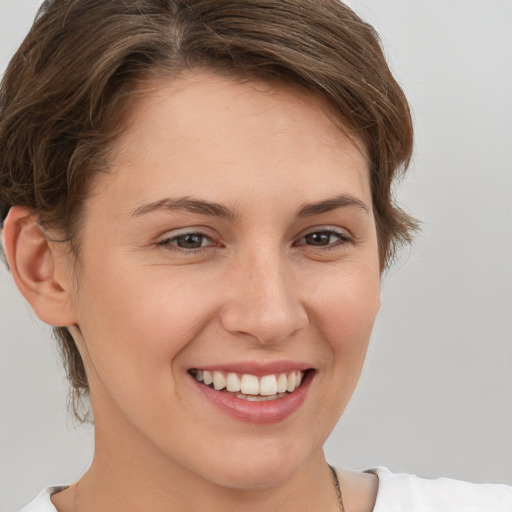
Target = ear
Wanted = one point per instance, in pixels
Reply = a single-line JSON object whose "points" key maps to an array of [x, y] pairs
{"points": [[40, 267]]}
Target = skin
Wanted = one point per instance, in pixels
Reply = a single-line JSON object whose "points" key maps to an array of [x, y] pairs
{"points": [[257, 290]]}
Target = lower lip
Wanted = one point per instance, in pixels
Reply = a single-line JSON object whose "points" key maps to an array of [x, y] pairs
{"points": [[261, 413]]}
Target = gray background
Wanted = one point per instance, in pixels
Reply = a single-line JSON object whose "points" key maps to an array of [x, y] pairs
{"points": [[436, 394]]}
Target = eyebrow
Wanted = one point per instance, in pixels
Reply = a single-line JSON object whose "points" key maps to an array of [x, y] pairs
{"points": [[217, 210], [186, 204], [341, 201]]}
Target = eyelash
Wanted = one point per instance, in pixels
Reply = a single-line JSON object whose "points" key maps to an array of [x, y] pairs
{"points": [[171, 243], [168, 242], [342, 238]]}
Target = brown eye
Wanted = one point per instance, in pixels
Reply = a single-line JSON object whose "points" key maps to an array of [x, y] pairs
{"points": [[325, 238], [320, 238], [191, 241], [187, 241]]}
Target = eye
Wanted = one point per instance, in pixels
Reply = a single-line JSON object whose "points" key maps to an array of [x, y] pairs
{"points": [[325, 238], [187, 241]]}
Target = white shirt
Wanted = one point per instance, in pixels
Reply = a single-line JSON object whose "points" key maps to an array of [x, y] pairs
{"points": [[396, 493], [409, 493]]}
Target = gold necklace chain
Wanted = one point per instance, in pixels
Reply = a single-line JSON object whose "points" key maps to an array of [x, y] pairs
{"points": [[337, 487]]}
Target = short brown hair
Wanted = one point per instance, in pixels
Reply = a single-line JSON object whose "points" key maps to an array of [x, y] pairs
{"points": [[62, 96]]}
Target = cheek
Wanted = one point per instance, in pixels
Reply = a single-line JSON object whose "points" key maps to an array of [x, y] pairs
{"points": [[345, 310], [136, 322], [342, 317]]}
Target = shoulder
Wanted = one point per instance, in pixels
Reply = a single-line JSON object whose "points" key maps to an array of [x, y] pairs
{"points": [[42, 502], [409, 493]]}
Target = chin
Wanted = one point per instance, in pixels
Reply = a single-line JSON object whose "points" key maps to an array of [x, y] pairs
{"points": [[263, 467]]}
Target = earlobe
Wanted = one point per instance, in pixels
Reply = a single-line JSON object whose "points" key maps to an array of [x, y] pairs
{"points": [[36, 267]]}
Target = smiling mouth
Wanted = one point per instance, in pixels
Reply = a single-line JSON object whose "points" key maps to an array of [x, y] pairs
{"points": [[250, 387]]}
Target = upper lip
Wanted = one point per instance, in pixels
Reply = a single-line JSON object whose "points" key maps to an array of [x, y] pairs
{"points": [[257, 368]]}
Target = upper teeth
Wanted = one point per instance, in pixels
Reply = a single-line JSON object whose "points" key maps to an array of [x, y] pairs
{"points": [[250, 384]]}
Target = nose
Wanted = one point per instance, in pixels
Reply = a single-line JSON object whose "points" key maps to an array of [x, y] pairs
{"points": [[262, 300]]}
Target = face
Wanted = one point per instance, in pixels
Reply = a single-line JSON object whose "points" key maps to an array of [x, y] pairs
{"points": [[233, 240]]}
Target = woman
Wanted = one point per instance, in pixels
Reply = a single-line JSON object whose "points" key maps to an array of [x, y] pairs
{"points": [[200, 203]]}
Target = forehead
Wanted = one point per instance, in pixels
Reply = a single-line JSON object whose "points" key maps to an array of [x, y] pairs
{"points": [[206, 130]]}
